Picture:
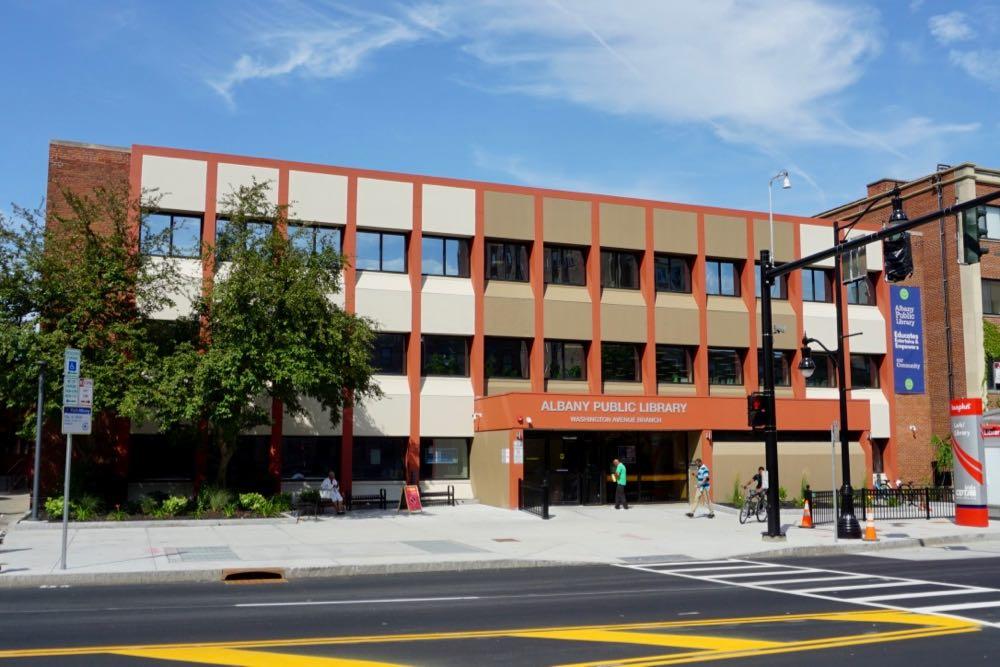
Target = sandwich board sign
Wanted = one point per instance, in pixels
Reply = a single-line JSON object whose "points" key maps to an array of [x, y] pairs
{"points": [[410, 499]]}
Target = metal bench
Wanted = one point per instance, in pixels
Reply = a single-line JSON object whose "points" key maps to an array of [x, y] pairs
{"points": [[447, 496], [350, 500]]}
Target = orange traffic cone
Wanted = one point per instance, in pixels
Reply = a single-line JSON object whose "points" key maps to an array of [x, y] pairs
{"points": [[870, 529], [807, 517]]}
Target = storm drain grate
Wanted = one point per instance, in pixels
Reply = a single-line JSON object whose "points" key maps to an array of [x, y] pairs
{"points": [[256, 576]]}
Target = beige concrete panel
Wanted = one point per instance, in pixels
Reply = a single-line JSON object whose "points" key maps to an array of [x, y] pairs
{"points": [[623, 324], [568, 319], [315, 421], [728, 322], [509, 216], [185, 292], [725, 236], [317, 197], [387, 415], [446, 407], [820, 322], [447, 306], [881, 426], [623, 227], [671, 389], [449, 211], [784, 239], [675, 232], [734, 461], [508, 309], [233, 176], [461, 487], [566, 221], [784, 392], [868, 321], [385, 204], [784, 318], [385, 297], [489, 476], [623, 388], [727, 390], [495, 386], [179, 183], [813, 239], [566, 386], [677, 320]]}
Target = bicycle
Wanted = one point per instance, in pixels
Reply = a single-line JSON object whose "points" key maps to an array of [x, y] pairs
{"points": [[754, 505]]}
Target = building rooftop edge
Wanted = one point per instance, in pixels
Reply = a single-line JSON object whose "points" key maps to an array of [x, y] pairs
{"points": [[84, 144]]}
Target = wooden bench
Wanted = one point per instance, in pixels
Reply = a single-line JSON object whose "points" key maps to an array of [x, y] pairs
{"points": [[447, 496]]}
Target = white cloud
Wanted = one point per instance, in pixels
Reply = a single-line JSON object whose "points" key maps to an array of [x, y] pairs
{"points": [[951, 27], [983, 64]]}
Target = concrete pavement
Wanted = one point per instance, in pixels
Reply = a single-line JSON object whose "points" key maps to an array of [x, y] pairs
{"points": [[442, 538]]}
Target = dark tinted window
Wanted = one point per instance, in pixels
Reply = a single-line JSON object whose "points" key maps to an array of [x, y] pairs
{"points": [[310, 456], [507, 357], [725, 366], [991, 297], [378, 459], [782, 368], [621, 362], [619, 269], [565, 266], [864, 371], [673, 365], [722, 278], [565, 360], [672, 273], [444, 458], [816, 285], [381, 251], [825, 374], [507, 260], [445, 355], [861, 292], [389, 353]]}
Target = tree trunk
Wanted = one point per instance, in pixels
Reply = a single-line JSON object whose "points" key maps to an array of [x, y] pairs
{"points": [[226, 450]]}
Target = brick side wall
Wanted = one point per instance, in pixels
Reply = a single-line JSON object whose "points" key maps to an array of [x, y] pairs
{"points": [[81, 168]]}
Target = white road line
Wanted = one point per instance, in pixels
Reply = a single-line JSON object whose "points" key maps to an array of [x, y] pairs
{"points": [[797, 580], [309, 603], [958, 607], [785, 571], [721, 569], [922, 594], [680, 562], [887, 584]]}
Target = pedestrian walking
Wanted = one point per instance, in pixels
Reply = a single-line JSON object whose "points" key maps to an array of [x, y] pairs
{"points": [[701, 485], [618, 477]]}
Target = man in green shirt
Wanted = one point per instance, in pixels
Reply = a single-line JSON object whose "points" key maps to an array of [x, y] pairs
{"points": [[618, 477]]}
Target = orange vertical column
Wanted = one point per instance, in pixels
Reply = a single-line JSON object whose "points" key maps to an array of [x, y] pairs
{"points": [[477, 266], [795, 299], [647, 283], [277, 409], [208, 237], [413, 349], [349, 249], [701, 299], [594, 379], [537, 277], [748, 289]]}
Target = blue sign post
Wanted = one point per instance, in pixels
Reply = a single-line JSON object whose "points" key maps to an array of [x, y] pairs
{"points": [[907, 339]]}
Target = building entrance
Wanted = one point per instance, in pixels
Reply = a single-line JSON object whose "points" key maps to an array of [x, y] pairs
{"points": [[577, 465]]}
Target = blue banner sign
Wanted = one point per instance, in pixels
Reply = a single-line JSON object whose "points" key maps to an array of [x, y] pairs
{"points": [[907, 339]]}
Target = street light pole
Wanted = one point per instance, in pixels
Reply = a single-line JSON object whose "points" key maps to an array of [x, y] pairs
{"points": [[785, 184], [39, 409], [771, 426]]}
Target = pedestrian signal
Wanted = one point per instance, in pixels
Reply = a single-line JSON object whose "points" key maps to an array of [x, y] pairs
{"points": [[757, 410]]}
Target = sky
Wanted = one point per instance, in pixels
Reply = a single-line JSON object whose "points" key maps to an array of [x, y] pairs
{"points": [[694, 102]]}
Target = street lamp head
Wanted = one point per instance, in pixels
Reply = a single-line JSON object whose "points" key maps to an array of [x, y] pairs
{"points": [[898, 214], [786, 182], [808, 365]]}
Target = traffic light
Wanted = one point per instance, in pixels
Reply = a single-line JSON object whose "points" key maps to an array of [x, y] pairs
{"points": [[898, 256], [973, 229], [757, 410]]}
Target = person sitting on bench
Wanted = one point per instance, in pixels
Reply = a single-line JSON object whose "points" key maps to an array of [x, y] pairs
{"points": [[330, 490]]}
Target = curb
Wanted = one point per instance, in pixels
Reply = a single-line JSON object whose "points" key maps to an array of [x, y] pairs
{"points": [[26, 524], [859, 547], [215, 575]]}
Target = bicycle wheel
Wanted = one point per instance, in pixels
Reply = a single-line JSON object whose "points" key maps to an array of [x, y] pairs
{"points": [[761, 511], [745, 511]]}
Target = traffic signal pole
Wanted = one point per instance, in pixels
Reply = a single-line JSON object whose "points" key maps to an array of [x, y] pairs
{"points": [[771, 425]]}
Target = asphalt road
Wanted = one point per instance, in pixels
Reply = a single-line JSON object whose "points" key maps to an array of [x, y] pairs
{"points": [[592, 615]]}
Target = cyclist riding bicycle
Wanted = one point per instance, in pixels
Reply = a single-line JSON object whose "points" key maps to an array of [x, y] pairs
{"points": [[758, 482]]}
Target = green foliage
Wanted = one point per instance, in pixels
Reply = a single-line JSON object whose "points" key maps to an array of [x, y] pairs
{"points": [[282, 502], [54, 507], [229, 511], [803, 486], [117, 514], [309, 496], [86, 508], [942, 452], [174, 505], [149, 505], [782, 494], [252, 502], [736, 499], [213, 499], [991, 346]]}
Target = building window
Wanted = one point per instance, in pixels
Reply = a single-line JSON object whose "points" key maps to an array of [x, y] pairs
{"points": [[993, 222], [389, 353], [172, 235], [782, 368], [507, 357], [817, 285], [445, 355], [310, 456], [565, 266], [314, 238], [378, 459], [444, 458], [725, 366], [565, 360], [445, 257], [991, 297], [619, 269], [864, 371], [381, 251], [621, 362], [861, 293], [507, 260], [722, 278], [672, 273], [673, 365], [825, 374], [779, 290]]}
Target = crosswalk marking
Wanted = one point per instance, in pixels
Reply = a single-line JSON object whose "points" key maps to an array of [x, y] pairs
{"points": [[855, 587]]}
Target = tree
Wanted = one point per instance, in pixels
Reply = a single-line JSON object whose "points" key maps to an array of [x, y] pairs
{"points": [[269, 329]]}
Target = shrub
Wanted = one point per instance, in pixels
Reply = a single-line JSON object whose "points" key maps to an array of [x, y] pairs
{"points": [[229, 511], [85, 508], [737, 498], [782, 494], [803, 486], [942, 452], [253, 502], [117, 514], [174, 505], [281, 502], [309, 496], [149, 505], [213, 499], [54, 507]]}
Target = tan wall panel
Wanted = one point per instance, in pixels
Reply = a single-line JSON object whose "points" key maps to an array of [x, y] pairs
{"points": [[784, 240], [675, 231], [623, 227], [728, 329], [624, 324], [783, 316], [509, 216], [496, 386], [566, 221], [727, 390], [567, 386], [671, 389], [489, 477], [677, 320], [725, 236], [508, 317], [623, 388], [568, 320]]}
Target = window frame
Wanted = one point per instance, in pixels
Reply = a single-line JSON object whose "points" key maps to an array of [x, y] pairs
{"points": [[827, 277], [381, 251], [312, 229], [872, 369], [688, 362], [200, 217], [521, 246], [782, 371], [427, 469], [424, 356], [822, 359], [524, 355], [551, 345], [669, 259], [781, 285], [855, 285], [463, 252], [614, 263], [636, 349], [740, 371], [402, 337], [363, 444], [223, 221], [992, 284], [737, 271], [549, 274]]}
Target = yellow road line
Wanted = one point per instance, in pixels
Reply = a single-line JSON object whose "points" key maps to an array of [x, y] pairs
{"points": [[237, 658], [651, 639]]}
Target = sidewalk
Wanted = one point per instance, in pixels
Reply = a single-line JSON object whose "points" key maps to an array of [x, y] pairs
{"points": [[442, 538]]}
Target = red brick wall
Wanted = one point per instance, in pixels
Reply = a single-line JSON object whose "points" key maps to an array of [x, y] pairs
{"points": [[81, 168]]}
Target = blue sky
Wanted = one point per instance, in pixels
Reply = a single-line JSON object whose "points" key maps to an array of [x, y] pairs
{"points": [[697, 102]]}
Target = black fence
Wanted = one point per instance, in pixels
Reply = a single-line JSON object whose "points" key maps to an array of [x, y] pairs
{"points": [[887, 504], [533, 499]]}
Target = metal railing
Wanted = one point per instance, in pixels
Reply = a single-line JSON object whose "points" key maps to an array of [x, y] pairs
{"points": [[888, 504], [533, 499]]}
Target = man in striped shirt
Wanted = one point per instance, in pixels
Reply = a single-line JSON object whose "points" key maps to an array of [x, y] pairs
{"points": [[701, 484]]}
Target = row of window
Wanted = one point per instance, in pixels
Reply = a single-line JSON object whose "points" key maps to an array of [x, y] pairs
{"points": [[620, 362]]}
